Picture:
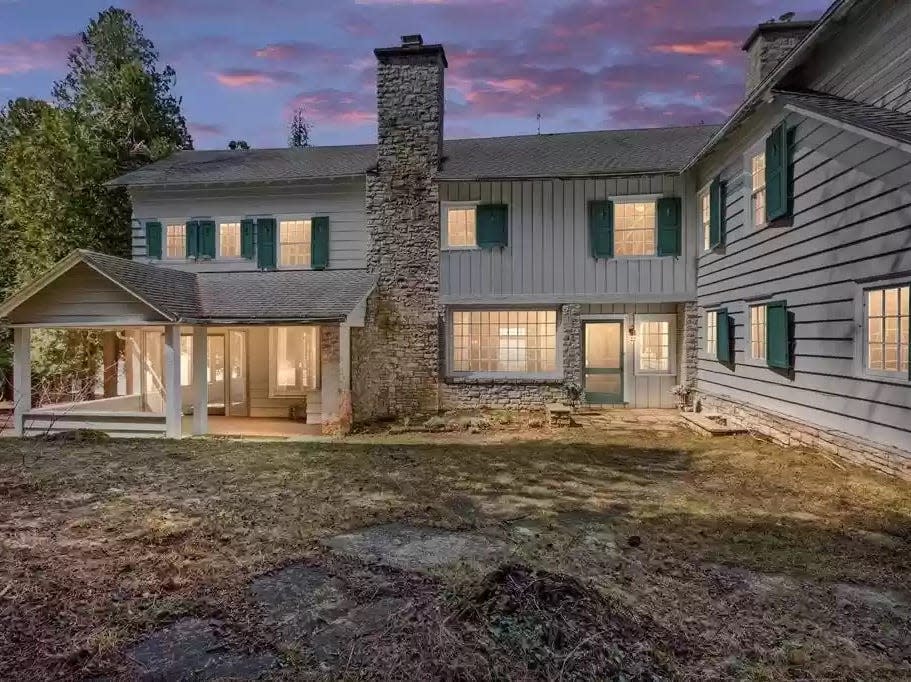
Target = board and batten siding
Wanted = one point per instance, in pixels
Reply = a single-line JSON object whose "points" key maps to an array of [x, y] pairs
{"points": [[548, 257], [343, 201], [851, 225]]}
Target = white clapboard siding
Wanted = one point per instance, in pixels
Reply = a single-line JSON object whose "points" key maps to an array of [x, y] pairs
{"points": [[549, 256], [343, 201], [852, 224]]}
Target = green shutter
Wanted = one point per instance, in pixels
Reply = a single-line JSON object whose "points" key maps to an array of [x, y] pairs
{"points": [[778, 335], [247, 238], [670, 226], [601, 228], [492, 225], [192, 239], [777, 180], [153, 239], [319, 243], [717, 208], [206, 248], [266, 246], [723, 336]]}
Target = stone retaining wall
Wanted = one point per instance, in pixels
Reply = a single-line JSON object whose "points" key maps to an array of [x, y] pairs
{"points": [[789, 432]]}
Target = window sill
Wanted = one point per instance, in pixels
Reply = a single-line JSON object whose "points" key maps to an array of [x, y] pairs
{"points": [[460, 248], [897, 378], [485, 379], [641, 373]]}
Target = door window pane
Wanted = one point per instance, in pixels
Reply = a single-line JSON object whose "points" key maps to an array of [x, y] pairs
{"points": [[508, 341], [654, 340]]}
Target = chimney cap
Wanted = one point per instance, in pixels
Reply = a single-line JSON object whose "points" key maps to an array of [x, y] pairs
{"points": [[776, 27], [413, 40], [412, 46]]}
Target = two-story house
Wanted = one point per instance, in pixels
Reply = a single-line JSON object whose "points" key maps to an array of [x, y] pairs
{"points": [[359, 282]]}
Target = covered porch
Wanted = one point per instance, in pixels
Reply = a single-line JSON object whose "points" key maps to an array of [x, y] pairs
{"points": [[225, 369]]}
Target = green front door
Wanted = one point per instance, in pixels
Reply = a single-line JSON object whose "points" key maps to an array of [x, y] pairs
{"points": [[604, 362]]}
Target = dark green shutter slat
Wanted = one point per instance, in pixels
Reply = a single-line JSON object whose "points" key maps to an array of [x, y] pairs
{"points": [[192, 239], [601, 228], [717, 211], [492, 225], [153, 239], [723, 336], [776, 174], [319, 243], [266, 243], [247, 238], [778, 335], [670, 226], [206, 239]]}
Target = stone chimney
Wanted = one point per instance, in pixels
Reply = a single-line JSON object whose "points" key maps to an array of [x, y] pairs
{"points": [[769, 43], [397, 354]]}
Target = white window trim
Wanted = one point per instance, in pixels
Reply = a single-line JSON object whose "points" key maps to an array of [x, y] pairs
{"points": [[218, 224], [637, 199], [671, 319], [860, 332], [556, 375], [279, 219], [704, 230], [164, 240], [752, 151], [703, 341], [444, 224], [273, 393], [751, 359]]}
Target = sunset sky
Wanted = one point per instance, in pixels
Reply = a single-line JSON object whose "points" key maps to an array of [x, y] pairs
{"points": [[243, 65]]}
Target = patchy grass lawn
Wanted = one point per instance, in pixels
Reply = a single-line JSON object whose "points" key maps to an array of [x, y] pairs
{"points": [[719, 559]]}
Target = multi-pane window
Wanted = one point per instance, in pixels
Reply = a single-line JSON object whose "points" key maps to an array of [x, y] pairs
{"points": [[654, 339], [294, 360], [758, 332], [757, 171], [705, 218], [176, 241], [515, 341], [229, 240], [294, 242], [711, 333], [887, 329], [460, 226], [634, 229]]}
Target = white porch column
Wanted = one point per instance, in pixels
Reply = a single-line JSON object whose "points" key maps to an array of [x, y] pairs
{"points": [[200, 381], [345, 416], [172, 403], [22, 378]]}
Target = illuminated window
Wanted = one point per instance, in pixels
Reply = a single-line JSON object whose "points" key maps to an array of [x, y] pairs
{"points": [[176, 241], [711, 333], [757, 170], [757, 332], [229, 240], [460, 226], [294, 360], [294, 242], [634, 229], [508, 341], [654, 344], [705, 217], [887, 330]]}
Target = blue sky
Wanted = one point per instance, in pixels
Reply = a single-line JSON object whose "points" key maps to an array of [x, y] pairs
{"points": [[244, 65]]}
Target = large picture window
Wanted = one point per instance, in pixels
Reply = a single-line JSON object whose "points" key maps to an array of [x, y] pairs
{"points": [[887, 317], [505, 341], [293, 360], [634, 228], [655, 336], [294, 242]]}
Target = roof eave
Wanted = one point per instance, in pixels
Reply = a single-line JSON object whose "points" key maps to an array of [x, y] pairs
{"points": [[236, 183]]}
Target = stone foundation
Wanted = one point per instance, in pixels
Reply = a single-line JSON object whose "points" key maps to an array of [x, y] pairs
{"points": [[789, 432]]}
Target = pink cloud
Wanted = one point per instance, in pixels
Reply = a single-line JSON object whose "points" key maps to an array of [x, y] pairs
{"points": [[336, 107], [205, 129], [23, 56], [704, 47], [296, 51], [253, 78]]}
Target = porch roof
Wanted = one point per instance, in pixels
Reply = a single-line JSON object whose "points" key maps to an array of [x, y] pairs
{"points": [[194, 298]]}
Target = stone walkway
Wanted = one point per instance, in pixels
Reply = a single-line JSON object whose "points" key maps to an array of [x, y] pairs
{"points": [[630, 420]]}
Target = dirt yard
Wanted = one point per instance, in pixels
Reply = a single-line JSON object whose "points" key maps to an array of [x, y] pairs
{"points": [[636, 554]]}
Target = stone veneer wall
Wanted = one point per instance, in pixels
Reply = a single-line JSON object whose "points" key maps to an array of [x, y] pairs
{"points": [[688, 343], [329, 370], [469, 393], [769, 48], [395, 357], [789, 432]]}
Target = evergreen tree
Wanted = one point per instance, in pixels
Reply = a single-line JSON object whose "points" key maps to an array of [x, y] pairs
{"points": [[235, 145], [300, 130]]}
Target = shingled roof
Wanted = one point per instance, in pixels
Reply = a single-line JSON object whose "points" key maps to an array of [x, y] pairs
{"points": [[604, 152], [894, 125], [241, 297]]}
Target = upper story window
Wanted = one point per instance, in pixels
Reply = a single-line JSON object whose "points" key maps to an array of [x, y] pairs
{"points": [[459, 225], [711, 333], [176, 241], [229, 240], [634, 228], [705, 219], [294, 242], [758, 332], [758, 193], [504, 341], [887, 316]]}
